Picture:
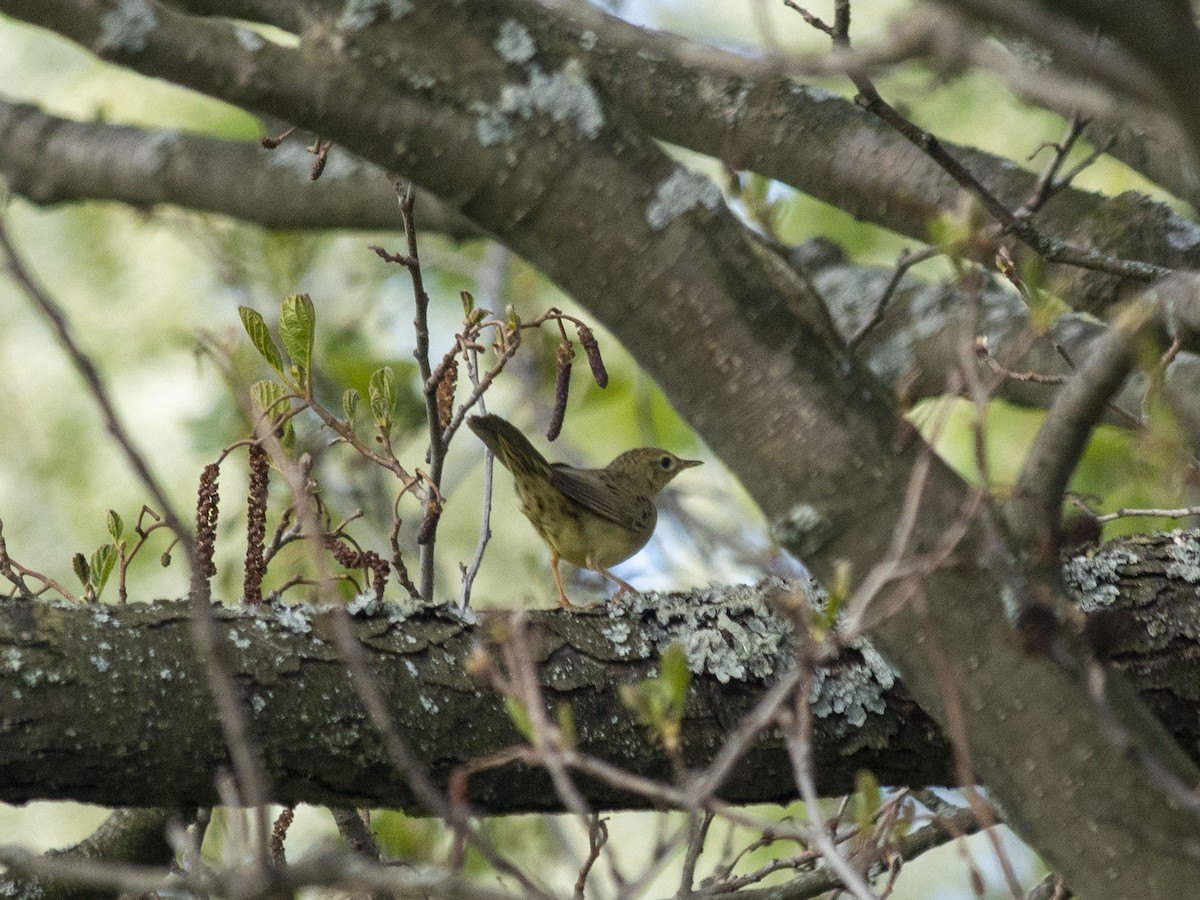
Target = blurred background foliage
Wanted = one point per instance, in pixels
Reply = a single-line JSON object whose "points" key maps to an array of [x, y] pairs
{"points": [[154, 295]]}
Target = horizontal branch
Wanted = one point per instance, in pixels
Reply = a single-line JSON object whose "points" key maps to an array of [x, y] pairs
{"points": [[48, 160], [151, 736]]}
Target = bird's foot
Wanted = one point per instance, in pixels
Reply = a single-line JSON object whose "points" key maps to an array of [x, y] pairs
{"points": [[564, 603]]}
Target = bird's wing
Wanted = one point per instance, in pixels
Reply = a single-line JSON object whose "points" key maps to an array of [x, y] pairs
{"points": [[593, 489]]}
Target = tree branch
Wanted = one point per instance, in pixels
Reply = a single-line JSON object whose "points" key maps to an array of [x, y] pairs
{"points": [[49, 160], [151, 735]]}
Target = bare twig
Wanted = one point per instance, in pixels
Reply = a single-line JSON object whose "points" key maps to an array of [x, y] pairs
{"points": [[437, 442], [1050, 249], [906, 261], [1124, 512], [797, 731]]}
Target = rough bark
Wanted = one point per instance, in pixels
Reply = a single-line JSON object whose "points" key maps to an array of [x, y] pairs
{"points": [[150, 735]]}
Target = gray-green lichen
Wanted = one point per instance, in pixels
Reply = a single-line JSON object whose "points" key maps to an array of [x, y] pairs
{"points": [[127, 26], [855, 690], [802, 530], [1096, 578], [249, 40], [1184, 555], [296, 619], [1182, 233], [729, 633], [514, 43], [681, 191], [565, 96], [733, 634]]}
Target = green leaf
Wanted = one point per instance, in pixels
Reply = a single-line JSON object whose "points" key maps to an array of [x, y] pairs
{"points": [[520, 716], [115, 526], [297, 327], [350, 404], [82, 570], [658, 702], [468, 302], [102, 564], [260, 336], [566, 723], [675, 675], [825, 618], [271, 395], [382, 391], [869, 797]]}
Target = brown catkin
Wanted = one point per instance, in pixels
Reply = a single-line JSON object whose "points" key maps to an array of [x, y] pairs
{"points": [[433, 512], [445, 393], [562, 388], [256, 524], [592, 349], [347, 556], [279, 833]]}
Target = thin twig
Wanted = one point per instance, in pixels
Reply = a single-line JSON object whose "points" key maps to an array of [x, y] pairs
{"points": [[906, 261], [797, 731], [437, 442], [1124, 512], [1050, 249]]}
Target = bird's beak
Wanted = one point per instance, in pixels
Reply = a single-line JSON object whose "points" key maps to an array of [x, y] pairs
{"points": [[689, 463]]}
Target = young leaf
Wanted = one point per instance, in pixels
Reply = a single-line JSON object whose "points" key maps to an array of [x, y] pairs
{"points": [[869, 797], [271, 395], [566, 723], [297, 326], [675, 675], [82, 570], [102, 564], [350, 404], [658, 702], [382, 391], [520, 716], [115, 526], [260, 336]]}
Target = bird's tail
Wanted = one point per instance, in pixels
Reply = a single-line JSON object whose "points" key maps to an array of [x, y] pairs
{"points": [[510, 446]]}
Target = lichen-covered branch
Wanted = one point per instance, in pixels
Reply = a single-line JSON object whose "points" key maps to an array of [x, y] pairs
{"points": [[151, 737]]}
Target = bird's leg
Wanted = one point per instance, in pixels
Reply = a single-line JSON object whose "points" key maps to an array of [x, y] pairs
{"points": [[623, 587], [563, 602]]}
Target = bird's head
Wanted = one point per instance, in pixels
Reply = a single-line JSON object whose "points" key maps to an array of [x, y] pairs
{"points": [[648, 469]]}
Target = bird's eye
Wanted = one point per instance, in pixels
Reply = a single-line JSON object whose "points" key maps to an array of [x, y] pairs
{"points": [[665, 462]]}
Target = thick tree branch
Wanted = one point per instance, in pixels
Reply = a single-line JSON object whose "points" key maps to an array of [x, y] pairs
{"points": [[1034, 511], [749, 115], [151, 732], [48, 160]]}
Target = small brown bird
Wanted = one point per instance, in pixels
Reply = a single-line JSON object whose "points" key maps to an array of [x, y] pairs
{"points": [[592, 518]]}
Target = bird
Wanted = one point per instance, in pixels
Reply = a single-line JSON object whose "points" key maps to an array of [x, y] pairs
{"points": [[592, 518]]}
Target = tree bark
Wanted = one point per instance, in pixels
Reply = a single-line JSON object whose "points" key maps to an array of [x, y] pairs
{"points": [[150, 735]]}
